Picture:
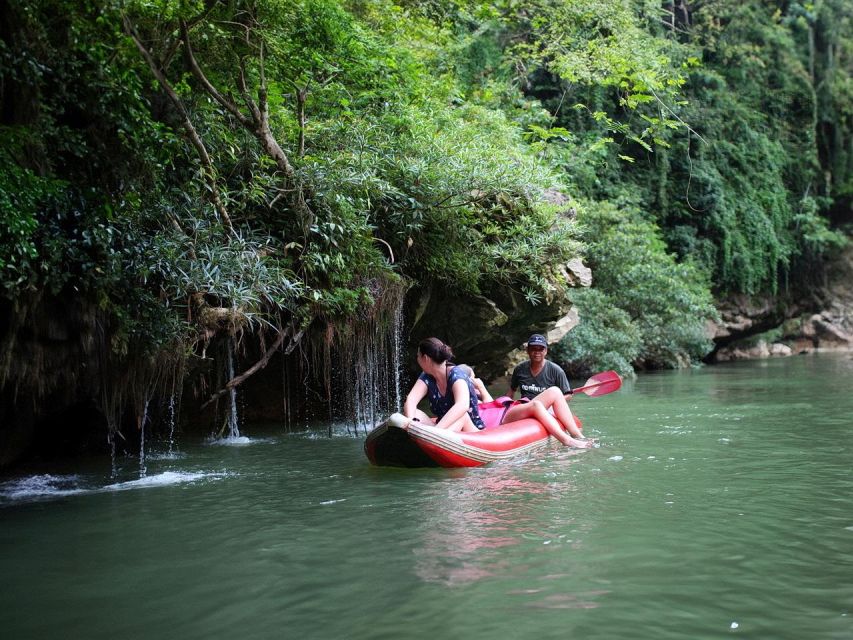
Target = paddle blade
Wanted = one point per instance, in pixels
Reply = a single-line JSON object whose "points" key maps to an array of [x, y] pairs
{"points": [[601, 384]]}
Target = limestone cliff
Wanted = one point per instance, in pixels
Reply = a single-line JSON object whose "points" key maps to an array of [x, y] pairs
{"points": [[784, 325], [488, 330]]}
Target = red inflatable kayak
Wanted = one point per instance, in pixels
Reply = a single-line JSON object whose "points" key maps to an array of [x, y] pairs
{"points": [[397, 442]]}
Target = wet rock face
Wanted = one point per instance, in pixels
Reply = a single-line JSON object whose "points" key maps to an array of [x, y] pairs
{"points": [[825, 321], [829, 324], [488, 331], [743, 316], [829, 329], [761, 349], [484, 331], [833, 326], [48, 369]]}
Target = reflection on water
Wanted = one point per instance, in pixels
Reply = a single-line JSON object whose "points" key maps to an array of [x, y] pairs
{"points": [[718, 503], [469, 520], [479, 526]]}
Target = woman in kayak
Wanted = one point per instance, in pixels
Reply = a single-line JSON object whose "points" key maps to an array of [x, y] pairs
{"points": [[451, 394]]}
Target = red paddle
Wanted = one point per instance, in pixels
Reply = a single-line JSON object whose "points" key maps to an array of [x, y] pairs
{"points": [[600, 384]]}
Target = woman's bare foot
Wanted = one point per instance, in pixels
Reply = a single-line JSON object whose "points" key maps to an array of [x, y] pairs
{"points": [[580, 444]]}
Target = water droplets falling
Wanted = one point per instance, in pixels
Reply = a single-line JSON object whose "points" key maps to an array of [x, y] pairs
{"points": [[171, 422], [349, 373], [397, 352], [369, 355], [233, 426], [111, 440], [143, 470]]}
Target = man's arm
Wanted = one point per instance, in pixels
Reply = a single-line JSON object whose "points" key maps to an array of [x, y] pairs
{"points": [[562, 381], [513, 383]]}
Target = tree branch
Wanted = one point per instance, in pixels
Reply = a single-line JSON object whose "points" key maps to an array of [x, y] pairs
{"points": [[301, 97], [260, 115], [195, 139], [247, 98], [230, 106], [390, 250], [258, 122], [260, 364]]}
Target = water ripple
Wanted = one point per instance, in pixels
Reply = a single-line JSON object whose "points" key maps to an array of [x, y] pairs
{"points": [[45, 487]]}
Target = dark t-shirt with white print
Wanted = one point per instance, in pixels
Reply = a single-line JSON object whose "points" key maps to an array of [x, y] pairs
{"points": [[552, 375]]}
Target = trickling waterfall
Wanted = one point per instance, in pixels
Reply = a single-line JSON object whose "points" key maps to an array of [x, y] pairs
{"points": [[112, 442], [143, 470], [397, 353], [351, 371], [368, 358], [171, 422], [233, 427]]}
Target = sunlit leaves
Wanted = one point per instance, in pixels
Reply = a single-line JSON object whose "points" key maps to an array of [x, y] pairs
{"points": [[600, 45], [246, 274]]}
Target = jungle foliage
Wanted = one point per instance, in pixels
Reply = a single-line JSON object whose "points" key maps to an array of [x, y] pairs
{"points": [[640, 288], [720, 127], [198, 166]]}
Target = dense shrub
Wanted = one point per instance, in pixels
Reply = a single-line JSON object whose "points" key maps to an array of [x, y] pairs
{"points": [[645, 308]]}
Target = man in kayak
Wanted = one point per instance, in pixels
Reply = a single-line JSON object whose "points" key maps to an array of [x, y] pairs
{"points": [[544, 385], [538, 373]]}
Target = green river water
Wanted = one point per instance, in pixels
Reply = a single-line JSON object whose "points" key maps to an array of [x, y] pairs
{"points": [[718, 504]]}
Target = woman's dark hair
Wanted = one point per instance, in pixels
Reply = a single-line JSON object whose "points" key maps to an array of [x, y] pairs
{"points": [[435, 350]]}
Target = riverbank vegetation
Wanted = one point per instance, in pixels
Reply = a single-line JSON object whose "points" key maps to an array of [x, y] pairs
{"points": [[174, 172]]}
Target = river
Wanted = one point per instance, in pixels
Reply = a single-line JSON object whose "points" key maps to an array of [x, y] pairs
{"points": [[718, 503]]}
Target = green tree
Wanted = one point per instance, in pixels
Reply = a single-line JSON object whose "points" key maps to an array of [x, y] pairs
{"points": [[645, 309]]}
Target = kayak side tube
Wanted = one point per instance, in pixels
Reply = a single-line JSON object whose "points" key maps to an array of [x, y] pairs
{"points": [[390, 444]]}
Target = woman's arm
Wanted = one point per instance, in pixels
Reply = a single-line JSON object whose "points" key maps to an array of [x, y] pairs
{"points": [[418, 393], [461, 403]]}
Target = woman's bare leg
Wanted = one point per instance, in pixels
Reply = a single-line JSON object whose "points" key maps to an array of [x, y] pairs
{"points": [[554, 399], [463, 424], [535, 409]]}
